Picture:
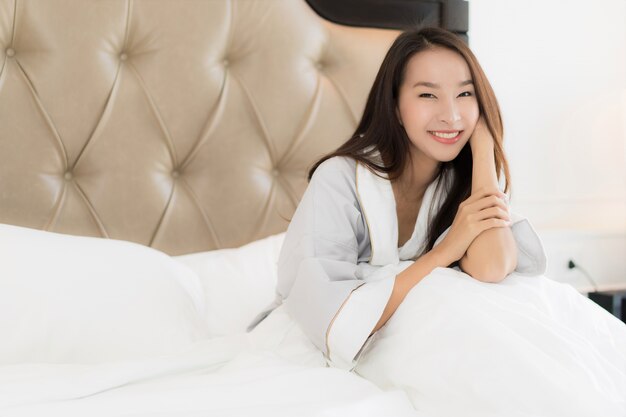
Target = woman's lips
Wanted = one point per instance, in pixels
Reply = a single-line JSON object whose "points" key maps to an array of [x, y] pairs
{"points": [[446, 140]]}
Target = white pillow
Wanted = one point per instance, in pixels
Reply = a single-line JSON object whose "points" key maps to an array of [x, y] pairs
{"points": [[238, 283], [82, 299]]}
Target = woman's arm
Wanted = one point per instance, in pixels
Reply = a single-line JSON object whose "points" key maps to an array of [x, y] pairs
{"points": [[493, 254]]}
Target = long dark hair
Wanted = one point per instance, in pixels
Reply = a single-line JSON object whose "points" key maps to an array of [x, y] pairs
{"points": [[380, 133]]}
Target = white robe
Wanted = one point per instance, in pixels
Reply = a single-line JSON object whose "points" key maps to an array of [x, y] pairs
{"points": [[339, 260]]}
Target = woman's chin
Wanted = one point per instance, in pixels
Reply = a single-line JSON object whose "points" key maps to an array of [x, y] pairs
{"points": [[447, 157]]}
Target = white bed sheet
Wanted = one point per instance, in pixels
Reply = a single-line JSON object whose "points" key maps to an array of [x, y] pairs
{"points": [[273, 371]]}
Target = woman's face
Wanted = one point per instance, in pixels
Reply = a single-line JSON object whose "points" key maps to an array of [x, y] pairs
{"points": [[437, 97]]}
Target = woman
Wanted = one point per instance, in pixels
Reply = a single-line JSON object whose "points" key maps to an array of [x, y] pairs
{"points": [[411, 203]]}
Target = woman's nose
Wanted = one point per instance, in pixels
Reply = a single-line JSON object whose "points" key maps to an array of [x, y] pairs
{"points": [[450, 113]]}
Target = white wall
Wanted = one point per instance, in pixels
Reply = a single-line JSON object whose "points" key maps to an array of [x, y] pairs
{"points": [[559, 71]]}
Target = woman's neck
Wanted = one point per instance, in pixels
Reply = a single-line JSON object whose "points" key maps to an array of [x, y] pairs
{"points": [[417, 176]]}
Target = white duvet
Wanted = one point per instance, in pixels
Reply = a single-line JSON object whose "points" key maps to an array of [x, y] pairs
{"points": [[274, 371], [527, 346]]}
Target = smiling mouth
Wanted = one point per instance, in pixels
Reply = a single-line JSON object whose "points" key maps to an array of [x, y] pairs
{"points": [[446, 137]]}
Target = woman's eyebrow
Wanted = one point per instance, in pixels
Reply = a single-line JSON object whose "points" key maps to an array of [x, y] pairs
{"points": [[433, 85]]}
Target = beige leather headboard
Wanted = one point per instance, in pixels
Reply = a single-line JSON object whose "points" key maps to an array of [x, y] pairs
{"points": [[182, 125]]}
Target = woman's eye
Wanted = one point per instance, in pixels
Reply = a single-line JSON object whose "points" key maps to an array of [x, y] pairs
{"points": [[463, 94]]}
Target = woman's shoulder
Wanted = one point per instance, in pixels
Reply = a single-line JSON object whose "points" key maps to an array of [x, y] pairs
{"points": [[338, 163], [335, 177], [338, 166]]}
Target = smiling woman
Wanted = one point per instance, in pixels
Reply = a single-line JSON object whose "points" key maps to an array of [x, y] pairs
{"points": [[431, 84], [407, 215]]}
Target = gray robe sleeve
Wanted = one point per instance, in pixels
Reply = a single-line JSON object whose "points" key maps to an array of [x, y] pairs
{"points": [[531, 256], [317, 267]]}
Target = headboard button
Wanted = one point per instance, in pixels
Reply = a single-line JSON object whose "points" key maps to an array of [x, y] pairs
{"points": [[10, 52], [68, 176], [175, 174], [123, 56]]}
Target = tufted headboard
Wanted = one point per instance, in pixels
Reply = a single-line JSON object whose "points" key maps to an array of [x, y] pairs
{"points": [[181, 125]]}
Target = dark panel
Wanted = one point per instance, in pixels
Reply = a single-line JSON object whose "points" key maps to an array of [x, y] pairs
{"points": [[396, 14], [455, 16], [388, 14]]}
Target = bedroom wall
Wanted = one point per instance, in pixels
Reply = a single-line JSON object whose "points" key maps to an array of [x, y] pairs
{"points": [[559, 71]]}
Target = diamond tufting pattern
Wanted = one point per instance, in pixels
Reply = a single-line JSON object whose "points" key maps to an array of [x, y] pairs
{"points": [[182, 125]]}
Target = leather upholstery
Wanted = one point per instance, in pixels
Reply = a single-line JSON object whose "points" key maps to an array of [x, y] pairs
{"points": [[182, 125]]}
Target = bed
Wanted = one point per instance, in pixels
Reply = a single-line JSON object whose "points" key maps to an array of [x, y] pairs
{"points": [[152, 153]]}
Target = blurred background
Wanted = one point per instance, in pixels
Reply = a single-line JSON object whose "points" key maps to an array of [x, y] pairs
{"points": [[559, 71]]}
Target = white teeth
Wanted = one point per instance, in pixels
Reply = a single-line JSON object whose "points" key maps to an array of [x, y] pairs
{"points": [[446, 135]]}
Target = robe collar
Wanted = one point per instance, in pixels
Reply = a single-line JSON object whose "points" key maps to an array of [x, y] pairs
{"points": [[378, 205]]}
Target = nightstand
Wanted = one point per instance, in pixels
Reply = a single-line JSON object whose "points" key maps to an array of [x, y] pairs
{"points": [[612, 301]]}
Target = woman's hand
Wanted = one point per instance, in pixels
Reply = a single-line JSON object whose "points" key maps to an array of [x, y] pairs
{"points": [[481, 135], [483, 210]]}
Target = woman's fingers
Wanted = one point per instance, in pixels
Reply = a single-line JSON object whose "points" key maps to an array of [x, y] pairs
{"points": [[485, 209], [488, 213], [483, 193], [488, 202], [491, 223]]}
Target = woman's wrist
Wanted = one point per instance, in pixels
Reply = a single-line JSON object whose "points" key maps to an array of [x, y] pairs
{"points": [[483, 166], [481, 139], [422, 267], [440, 256], [484, 147]]}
